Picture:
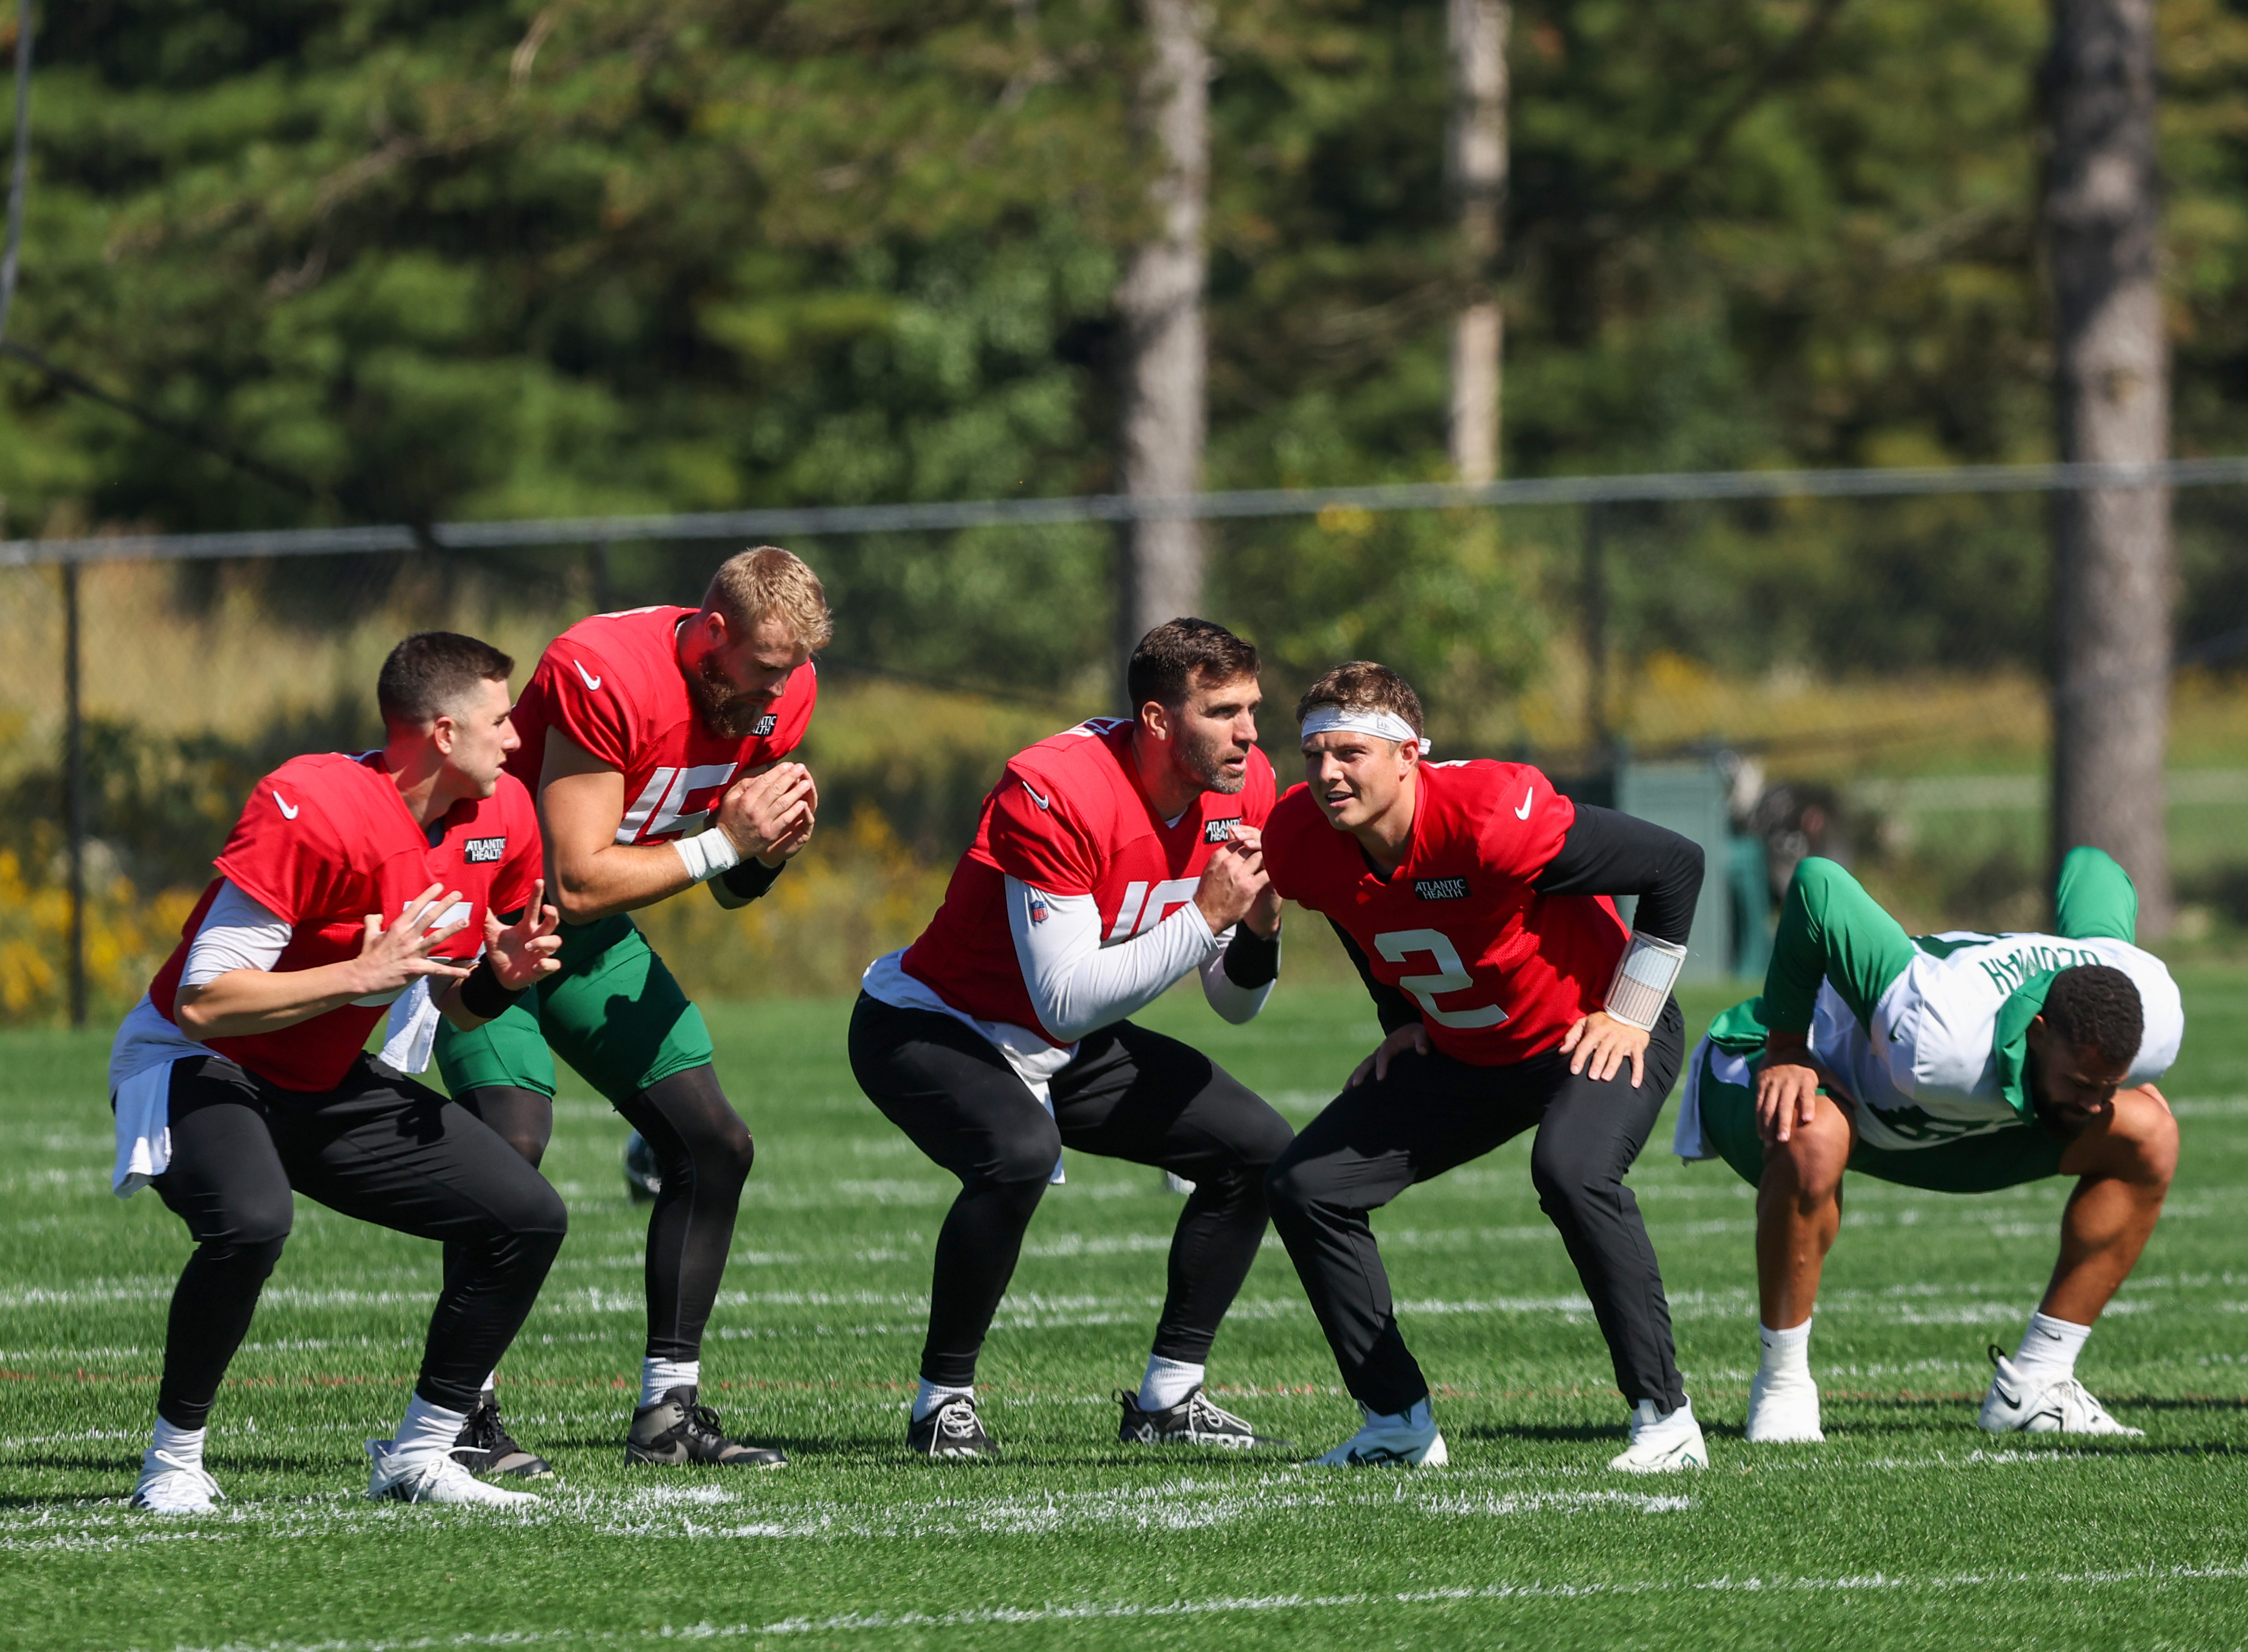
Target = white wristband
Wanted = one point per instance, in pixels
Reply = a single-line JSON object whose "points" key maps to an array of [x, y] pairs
{"points": [[1644, 976], [707, 854]]}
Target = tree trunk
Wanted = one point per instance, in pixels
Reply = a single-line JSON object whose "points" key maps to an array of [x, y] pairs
{"points": [[1160, 301], [2111, 566], [1476, 161]]}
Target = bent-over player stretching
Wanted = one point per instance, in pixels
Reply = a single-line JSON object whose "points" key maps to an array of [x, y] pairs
{"points": [[1110, 861], [1961, 1062]]}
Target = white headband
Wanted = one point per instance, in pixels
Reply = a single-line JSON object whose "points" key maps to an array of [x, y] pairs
{"points": [[1385, 724]]}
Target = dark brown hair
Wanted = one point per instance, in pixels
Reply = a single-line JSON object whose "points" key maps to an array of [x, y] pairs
{"points": [[2096, 1007], [1178, 654], [1360, 685], [431, 673]]}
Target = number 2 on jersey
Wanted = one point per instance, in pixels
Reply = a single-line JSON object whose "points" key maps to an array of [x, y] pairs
{"points": [[1451, 977]]}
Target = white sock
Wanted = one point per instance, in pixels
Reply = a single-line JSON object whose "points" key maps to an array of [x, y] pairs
{"points": [[181, 1445], [428, 1430], [1786, 1353], [1167, 1382], [1649, 1418], [1419, 1415], [933, 1395], [2049, 1349], [491, 1383], [659, 1377]]}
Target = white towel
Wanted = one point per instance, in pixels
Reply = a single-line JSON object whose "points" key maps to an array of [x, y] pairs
{"points": [[144, 1129], [412, 1031], [1687, 1141]]}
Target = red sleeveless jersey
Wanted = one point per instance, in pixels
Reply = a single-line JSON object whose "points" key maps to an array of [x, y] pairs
{"points": [[1068, 817], [611, 684], [324, 841], [1499, 971]]}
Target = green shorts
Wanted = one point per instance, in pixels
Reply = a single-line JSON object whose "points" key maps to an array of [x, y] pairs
{"points": [[1971, 1165], [613, 1010]]}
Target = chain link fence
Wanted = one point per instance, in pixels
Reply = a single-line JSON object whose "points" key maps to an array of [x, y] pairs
{"points": [[1854, 664]]}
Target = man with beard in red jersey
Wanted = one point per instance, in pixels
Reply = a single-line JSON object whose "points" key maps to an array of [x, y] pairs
{"points": [[349, 883], [1475, 901], [653, 741], [1110, 861]]}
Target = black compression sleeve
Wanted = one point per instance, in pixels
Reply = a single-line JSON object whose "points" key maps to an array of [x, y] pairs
{"points": [[1608, 853], [1252, 959], [750, 879], [1391, 1007], [482, 996]]}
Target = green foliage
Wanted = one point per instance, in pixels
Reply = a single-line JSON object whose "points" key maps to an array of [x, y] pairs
{"points": [[499, 259]]}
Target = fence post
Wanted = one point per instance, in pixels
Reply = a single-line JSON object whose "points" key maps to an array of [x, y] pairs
{"points": [[1594, 598], [74, 791]]}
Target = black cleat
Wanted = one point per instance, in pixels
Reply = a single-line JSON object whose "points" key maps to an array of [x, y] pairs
{"points": [[678, 1430], [486, 1447], [1195, 1420], [952, 1430], [643, 1176]]}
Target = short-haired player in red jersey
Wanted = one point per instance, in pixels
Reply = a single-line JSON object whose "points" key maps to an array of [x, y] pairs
{"points": [[350, 888], [1110, 861], [1474, 900], [655, 742]]}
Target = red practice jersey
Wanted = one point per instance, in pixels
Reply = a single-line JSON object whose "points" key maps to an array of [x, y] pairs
{"points": [[611, 683], [1068, 817], [324, 841], [1499, 971]]}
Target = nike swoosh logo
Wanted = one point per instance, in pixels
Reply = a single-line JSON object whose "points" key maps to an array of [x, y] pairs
{"points": [[287, 813], [1523, 813], [2011, 1399], [591, 681], [1040, 801]]}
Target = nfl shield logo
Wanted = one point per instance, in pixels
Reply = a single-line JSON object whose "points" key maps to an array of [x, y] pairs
{"points": [[1038, 907]]}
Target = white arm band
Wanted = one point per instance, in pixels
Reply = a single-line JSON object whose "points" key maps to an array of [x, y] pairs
{"points": [[707, 854], [237, 932], [1076, 983], [1644, 977], [1235, 1003]]}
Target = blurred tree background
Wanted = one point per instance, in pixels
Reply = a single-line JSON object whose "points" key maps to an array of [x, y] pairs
{"points": [[501, 258]]}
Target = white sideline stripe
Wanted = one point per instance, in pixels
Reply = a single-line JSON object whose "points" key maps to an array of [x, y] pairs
{"points": [[1223, 1604]]}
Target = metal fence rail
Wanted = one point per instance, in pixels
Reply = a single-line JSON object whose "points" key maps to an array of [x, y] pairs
{"points": [[1658, 487]]}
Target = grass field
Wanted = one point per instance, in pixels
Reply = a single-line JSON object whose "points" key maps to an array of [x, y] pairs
{"points": [[1908, 1527]]}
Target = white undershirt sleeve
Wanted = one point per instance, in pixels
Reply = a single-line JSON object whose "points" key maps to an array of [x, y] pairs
{"points": [[1236, 1003], [1076, 983], [237, 932]]}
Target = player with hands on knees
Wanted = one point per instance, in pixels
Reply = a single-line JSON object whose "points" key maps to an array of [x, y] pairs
{"points": [[1961, 1062], [404, 881], [656, 743], [1111, 861], [1475, 900]]}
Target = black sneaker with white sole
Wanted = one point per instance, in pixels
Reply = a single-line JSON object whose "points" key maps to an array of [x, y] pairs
{"points": [[1195, 1420], [486, 1447], [952, 1430], [678, 1430]]}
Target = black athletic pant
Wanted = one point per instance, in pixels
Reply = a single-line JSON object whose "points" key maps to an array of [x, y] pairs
{"points": [[704, 1153], [1432, 1113], [1129, 1094], [386, 1151]]}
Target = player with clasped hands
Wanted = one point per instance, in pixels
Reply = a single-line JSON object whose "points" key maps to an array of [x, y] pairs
{"points": [[1474, 900], [1111, 861], [656, 742], [241, 1077]]}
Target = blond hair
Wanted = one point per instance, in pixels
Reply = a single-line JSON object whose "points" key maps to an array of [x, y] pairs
{"points": [[769, 582]]}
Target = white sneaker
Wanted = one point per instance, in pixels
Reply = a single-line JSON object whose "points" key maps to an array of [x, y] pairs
{"points": [[171, 1486], [2018, 1405], [436, 1478], [1662, 1445], [1409, 1441], [1784, 1410]]}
